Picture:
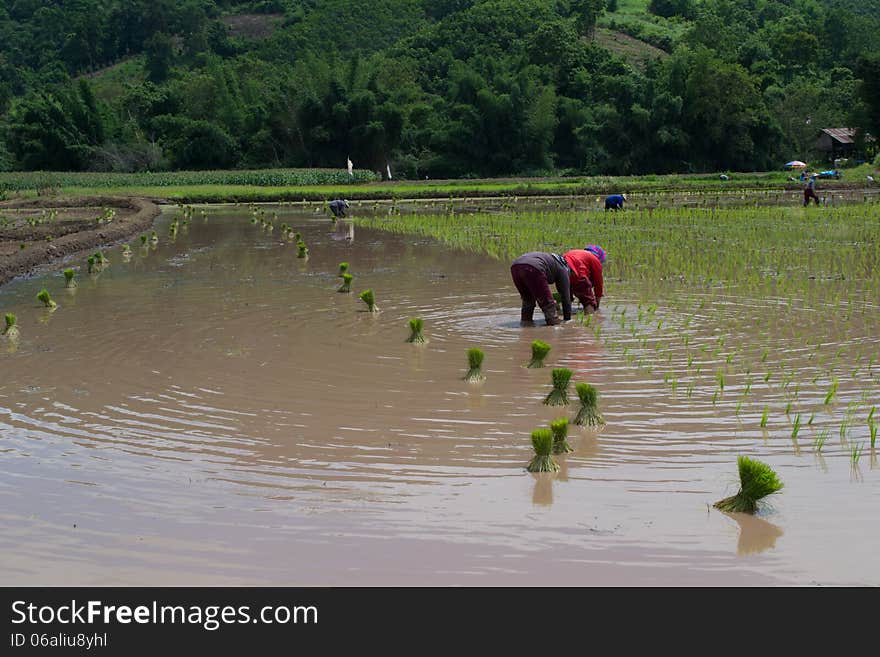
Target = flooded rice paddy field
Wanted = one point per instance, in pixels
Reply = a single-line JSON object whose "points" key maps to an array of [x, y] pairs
{"points": [[213, 411]]}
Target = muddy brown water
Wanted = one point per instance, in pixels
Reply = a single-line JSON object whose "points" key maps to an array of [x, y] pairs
{"points": [[213, 412]]}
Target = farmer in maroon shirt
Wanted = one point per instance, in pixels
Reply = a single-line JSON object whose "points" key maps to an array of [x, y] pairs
{"points": [[532, 274]]}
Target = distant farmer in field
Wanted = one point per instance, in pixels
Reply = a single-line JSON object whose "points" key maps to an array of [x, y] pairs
{"points": [[532, 274], [615, 201], [810, 191], [587, 282], [338, 207]]}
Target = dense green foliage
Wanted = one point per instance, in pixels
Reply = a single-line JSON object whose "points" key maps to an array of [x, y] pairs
{"points": [[439, 88]]}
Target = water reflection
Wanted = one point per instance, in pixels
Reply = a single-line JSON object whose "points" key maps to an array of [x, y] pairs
{"points": [[343, 231], [542, 490], [756, 535]]}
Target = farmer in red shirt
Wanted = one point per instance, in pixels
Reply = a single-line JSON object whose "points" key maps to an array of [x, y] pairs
{"points": [[586, 275]]}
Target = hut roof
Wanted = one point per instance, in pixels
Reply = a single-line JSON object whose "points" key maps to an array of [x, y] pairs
{"points": [[842, 135]]}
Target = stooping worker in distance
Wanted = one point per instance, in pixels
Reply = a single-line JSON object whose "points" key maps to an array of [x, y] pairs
{"points": [[810, 191], [587, 283], [338, 207], [615, 201], [532, 274]]}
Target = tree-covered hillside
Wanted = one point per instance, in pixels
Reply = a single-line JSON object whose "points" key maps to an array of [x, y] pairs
{"points": [[444, 88]]}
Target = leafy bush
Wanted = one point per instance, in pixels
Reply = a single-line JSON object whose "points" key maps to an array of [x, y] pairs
{"points": [[670, 8]]}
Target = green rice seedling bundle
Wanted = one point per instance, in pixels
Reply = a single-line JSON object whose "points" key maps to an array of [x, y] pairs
{"points": [[10, 330], [101, 260], [764, 416], [369, 298], [475, 364], [126, 249], [343, 267], [346, 283], [588, 413], [45, 299], [543, 461], [559, 429], [69, 280], [302, 251], [558, 396], [415, 331], [92, 268], [757, 481], [796, 427], [154, 239], [143, 240], [540, 349]]}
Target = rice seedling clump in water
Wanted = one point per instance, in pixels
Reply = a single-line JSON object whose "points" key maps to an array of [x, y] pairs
{"points": [[588, 414], [757, 481], [68, 278], [10, 330], [415, 331], [43, 296], [543, 461], [559, 395], [346, 283], [91, 264], [343, 267], [559, 429], [369, 298], [475, 364], [540, 349], [302, 250]]}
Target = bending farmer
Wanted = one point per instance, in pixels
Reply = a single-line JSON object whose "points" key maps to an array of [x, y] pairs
{"points": [[587, 283], [615, 201], [532, 274], [338, 207], [810, 191]]}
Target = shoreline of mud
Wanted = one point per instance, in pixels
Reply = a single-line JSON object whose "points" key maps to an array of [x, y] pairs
{"points": [[29, 259]]}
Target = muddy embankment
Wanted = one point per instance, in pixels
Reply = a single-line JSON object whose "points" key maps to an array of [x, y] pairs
{"points": [[36, 232]]}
